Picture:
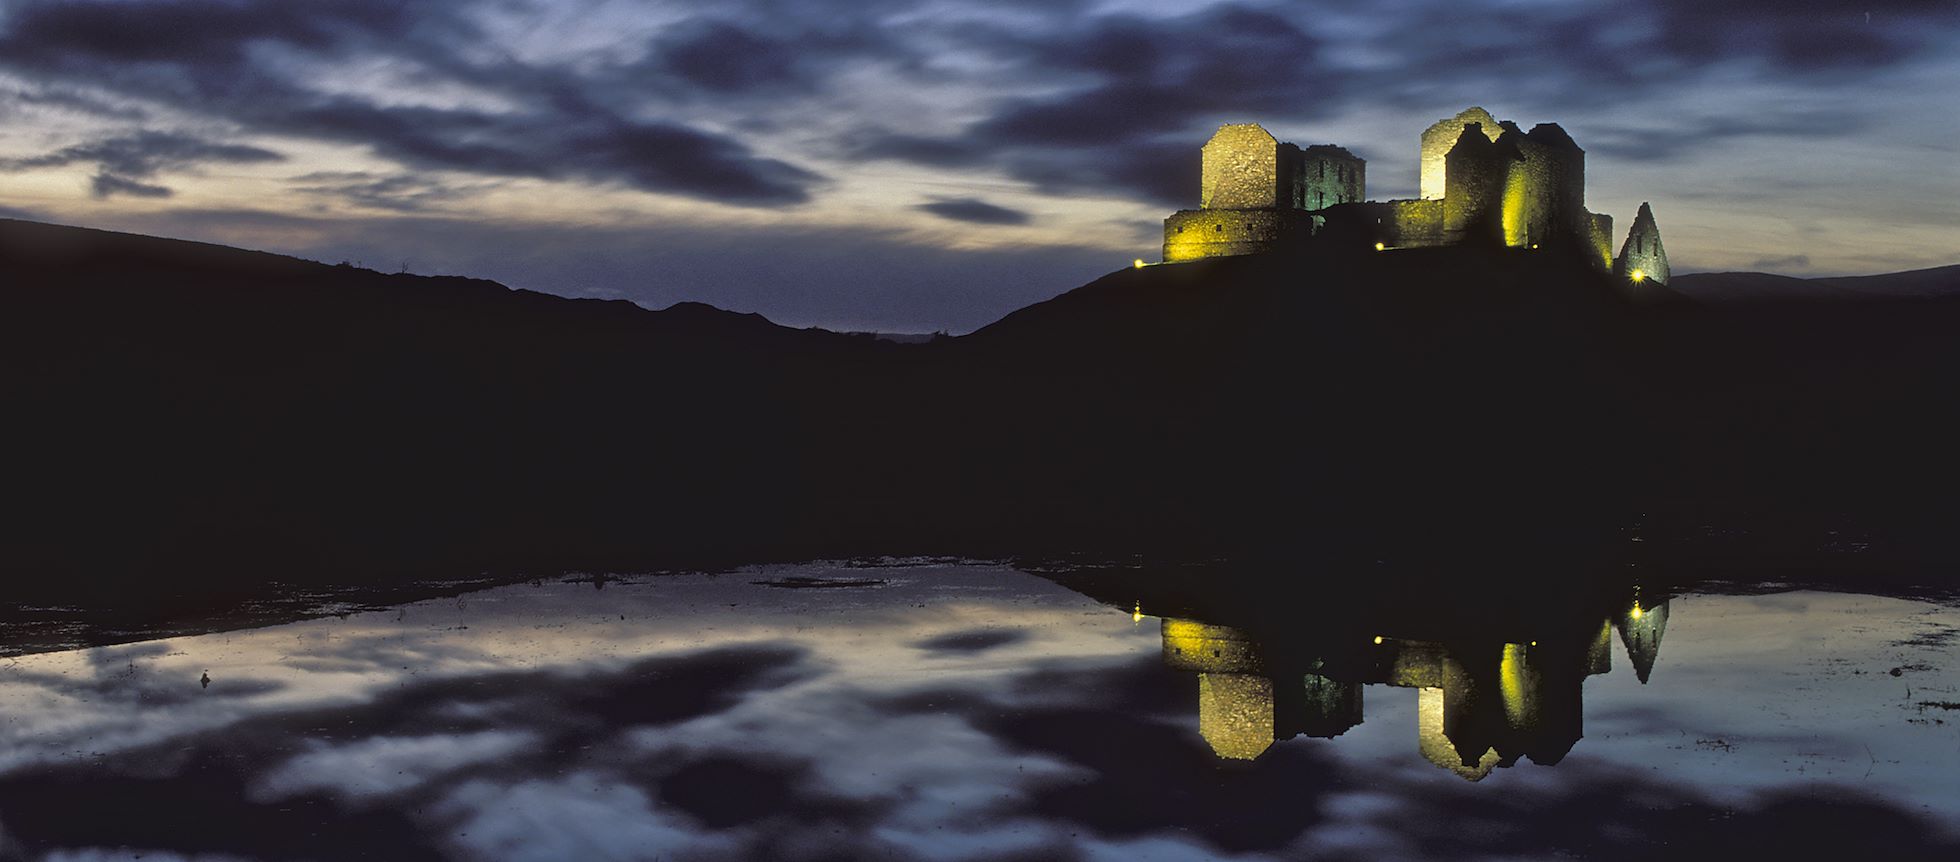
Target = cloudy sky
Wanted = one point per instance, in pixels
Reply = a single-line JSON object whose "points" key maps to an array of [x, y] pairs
{"points": [[919, 165]]}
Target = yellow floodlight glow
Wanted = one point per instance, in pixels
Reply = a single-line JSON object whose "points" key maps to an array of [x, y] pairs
{"points": [[1136, 616], [1378, 638], [1636, 610], [1138, 264], [1381, 246], [1639, 275]]}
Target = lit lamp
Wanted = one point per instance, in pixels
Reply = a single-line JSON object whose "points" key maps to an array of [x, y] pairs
{"points": [[1639, 276], [1138, 264]]}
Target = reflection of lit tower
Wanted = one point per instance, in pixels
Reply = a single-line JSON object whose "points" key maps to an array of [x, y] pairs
{"points": [[1243, 706], [1435, 742], [1235, 702], [1544, 709], [1447, 701], [1235, 713], [1641, 629]]}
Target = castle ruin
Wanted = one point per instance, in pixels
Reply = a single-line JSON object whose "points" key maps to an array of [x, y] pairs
{"points": [[1484, 181]]}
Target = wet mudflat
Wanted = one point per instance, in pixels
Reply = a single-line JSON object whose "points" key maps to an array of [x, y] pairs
{"points": [[947, 711]]}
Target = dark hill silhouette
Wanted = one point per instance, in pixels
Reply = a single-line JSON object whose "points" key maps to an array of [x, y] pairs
{"points": [[187, 410], [1943, 281], [189, 419]]}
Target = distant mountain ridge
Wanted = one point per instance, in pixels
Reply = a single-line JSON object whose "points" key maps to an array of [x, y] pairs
{"points": [[88, 255], [1941, 281]]}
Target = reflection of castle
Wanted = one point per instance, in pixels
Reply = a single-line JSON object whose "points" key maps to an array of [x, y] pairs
{"points": [[1483, 181], [1480, 705]]}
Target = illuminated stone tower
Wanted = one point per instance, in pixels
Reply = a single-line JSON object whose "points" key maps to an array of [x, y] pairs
{"points": [[1545, 189], [1474, 174], [1441, 136], [1241, 169], [1641, 257], [1327, 175]]}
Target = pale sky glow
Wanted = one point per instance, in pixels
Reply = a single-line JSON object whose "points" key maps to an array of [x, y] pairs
{"points": [[933, 165]]}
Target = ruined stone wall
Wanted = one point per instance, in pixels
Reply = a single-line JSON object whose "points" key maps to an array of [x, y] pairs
{"points": [[1476, 172], [1439, 138], [1331, 176], [1641, 257], [1241, 169], [1600, 239], [1393, 224], [1416, 224], [1195, 234]]}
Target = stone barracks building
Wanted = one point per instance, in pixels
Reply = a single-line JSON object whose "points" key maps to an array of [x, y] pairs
{"points": [[1484, 180]]}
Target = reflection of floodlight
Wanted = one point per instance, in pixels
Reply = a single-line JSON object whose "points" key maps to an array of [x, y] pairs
{"points": [[1639, 275], [1136, 616], [1139, 263], [1381, 246]]}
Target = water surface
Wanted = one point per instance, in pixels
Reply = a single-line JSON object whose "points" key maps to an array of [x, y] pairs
{"points": [[950, 711]]}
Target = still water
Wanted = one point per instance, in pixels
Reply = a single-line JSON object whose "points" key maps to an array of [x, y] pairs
{"points": [[959, 711]]}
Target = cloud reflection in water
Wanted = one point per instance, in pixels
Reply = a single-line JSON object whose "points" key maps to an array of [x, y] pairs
{"points": [[959, 712]]}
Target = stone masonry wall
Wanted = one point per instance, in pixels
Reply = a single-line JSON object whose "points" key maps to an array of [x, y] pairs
{"points": [[1195, 234], [1416, 224], [1241, 169]]}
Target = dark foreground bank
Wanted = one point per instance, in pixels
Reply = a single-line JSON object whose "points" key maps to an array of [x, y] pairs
{"points": [[190, 419]]}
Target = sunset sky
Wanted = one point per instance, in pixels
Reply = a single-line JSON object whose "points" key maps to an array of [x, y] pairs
{"points": [[933, 164]]}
